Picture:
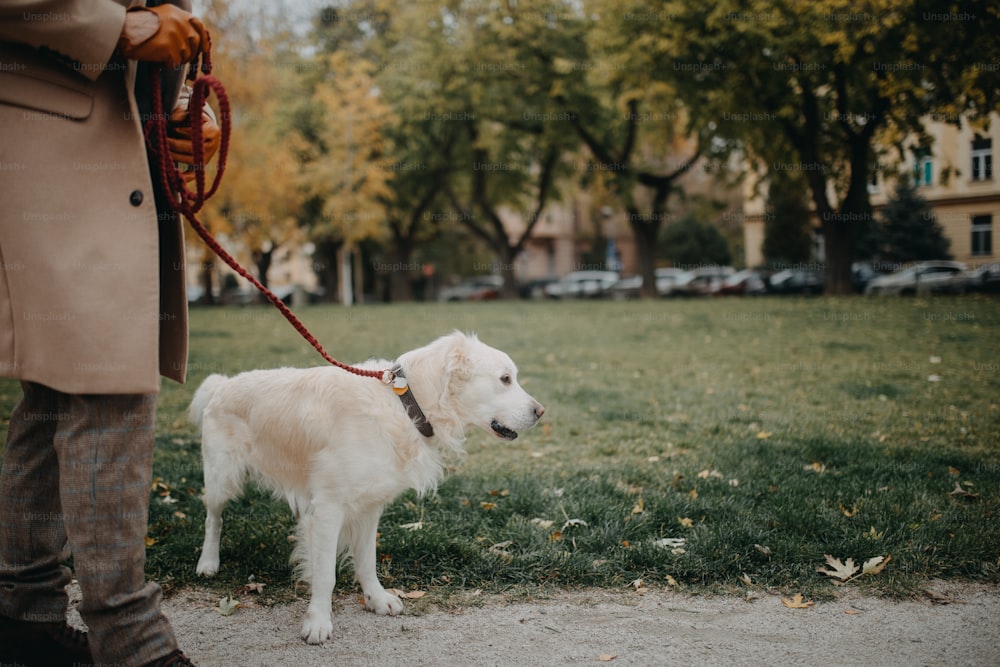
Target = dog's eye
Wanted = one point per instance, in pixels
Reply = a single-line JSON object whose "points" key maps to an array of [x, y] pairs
{"points": [[505, 378]]}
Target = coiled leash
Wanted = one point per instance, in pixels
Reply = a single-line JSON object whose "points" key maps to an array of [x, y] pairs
{"points": [[188, 203]]}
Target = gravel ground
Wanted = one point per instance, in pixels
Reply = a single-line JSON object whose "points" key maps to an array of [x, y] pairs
{"points": [[951, 625]]}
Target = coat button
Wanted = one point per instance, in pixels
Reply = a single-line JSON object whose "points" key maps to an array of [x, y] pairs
{"points": [[135, 198]]}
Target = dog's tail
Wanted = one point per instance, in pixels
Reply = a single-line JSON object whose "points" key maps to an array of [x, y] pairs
{"points": [[204, 394]]}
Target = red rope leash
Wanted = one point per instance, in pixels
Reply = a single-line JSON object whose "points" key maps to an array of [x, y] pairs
{"points": [[188, 203]]}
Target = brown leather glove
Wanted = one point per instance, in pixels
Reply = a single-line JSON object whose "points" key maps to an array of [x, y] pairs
{"points": [[179, 140], [163, 34]]}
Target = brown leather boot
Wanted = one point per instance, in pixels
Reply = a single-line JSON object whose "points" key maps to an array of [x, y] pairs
{"points": [[43, 644]]}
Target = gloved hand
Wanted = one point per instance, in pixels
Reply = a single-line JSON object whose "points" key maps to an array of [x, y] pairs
{"points": [[179, 139], [163, 34]]}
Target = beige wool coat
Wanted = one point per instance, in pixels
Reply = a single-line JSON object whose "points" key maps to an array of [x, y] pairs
{"points": [[92, 291]]}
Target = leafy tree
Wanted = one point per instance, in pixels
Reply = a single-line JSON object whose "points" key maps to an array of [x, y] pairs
{"points": [[416, 150], [787, 230], [510, 153], [810, 88], [458, 149], [628, 117], [418, 83], [342, 144], [906, 229], [689, 242], [259, 200]]}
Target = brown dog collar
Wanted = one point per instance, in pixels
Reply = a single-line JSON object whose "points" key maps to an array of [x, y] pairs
{"points": [[413, 411]]}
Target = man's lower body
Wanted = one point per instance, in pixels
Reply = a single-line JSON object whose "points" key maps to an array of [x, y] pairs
{"points": [[77, 471]]}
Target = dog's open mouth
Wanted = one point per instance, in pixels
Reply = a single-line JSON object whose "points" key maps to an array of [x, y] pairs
{"points": [[502, 431]]}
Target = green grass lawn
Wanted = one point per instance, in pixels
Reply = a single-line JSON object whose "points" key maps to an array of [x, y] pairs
{"points": [[763, 433]]}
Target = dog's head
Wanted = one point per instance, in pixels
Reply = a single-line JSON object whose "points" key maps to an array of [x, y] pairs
{"points": [[474, 382]]}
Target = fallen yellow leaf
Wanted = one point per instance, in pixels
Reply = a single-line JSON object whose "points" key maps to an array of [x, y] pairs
{"points": [[796, 602], [607, 657], [875, 565], [841, 571], [227, 605], [686, 522]]}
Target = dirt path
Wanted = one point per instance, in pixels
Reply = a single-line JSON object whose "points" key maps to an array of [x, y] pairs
{"points": [[956, 625]]}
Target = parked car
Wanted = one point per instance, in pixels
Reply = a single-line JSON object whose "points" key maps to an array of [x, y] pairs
{"points": [[931, 277], [701, 281], [797, 281], [582, 284], [666, 278], [745, 282], [626, 288], [984, 278], [534, 289], [631, 287], [478, 288], [863, 273]]}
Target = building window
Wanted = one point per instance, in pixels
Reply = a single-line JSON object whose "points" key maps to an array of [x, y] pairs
{"points": [[982, 159], [923, 172], [982, 235]]}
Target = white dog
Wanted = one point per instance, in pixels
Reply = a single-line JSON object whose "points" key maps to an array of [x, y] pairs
{"points": [[340, 447]]}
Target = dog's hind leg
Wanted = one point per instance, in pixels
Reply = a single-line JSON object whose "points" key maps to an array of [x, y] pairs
{"points": [[364, 532], [224, 477], [324, 525]]}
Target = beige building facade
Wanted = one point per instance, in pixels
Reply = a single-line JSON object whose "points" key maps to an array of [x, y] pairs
{"points": [[957, 179], [955, 176]]}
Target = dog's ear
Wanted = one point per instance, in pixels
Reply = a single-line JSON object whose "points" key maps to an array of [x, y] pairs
{"points": [[459, 357], [437, 369]]}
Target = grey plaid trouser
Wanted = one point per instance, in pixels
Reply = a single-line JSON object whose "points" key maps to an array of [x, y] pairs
{"points": [[76, 473]]}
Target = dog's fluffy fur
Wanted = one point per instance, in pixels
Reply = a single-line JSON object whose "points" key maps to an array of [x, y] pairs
{"points": [[340, 447]]}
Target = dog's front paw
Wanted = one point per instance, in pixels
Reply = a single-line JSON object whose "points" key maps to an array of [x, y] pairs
{"points": [[317, 627], [207, 566], [383, 603]]}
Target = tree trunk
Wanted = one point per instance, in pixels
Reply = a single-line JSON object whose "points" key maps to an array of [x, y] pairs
{"points": [[507, 257], [207, 277], [262, 259], [327, 269], [400, 282], [840, 230], [646, 232], [346, 294], [838, 235], [359, 276]]}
